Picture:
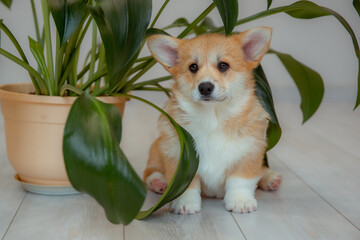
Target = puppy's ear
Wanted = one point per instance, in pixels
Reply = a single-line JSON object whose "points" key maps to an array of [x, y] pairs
{"points": [[255, 43], [165, 50]]}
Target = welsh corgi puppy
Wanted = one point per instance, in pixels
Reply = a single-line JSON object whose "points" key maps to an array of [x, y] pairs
{"points": [[214, 99]]}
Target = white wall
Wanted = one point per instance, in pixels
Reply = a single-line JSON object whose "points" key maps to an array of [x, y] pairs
{"points": [[322, 43]]}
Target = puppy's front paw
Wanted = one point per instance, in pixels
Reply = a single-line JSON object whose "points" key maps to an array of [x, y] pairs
{"points": [[188, 203], [240, 202]]}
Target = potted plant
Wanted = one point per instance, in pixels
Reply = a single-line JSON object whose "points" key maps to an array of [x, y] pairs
{"points": [[94, 161]]}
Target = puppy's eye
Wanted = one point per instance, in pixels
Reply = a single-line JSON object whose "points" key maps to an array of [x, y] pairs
{"points": [[193, 68], [223, 66]]}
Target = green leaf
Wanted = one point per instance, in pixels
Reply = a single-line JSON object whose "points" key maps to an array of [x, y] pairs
{"points": [[67, 16], [228, 10], [95, 163], [181, 22], [306, 10], [263, 91], [356, 4], [204, 27], [208, 23], [39, 56], [269, 3], [154, 31], [308, 82], [273, 135], [122, 25], [7, 3]]}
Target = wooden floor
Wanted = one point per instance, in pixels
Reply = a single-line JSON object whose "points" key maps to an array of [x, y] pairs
{"points": [[319, 198]]}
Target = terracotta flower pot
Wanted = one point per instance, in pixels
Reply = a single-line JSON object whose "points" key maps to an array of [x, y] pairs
{"points": [[34, 127]]}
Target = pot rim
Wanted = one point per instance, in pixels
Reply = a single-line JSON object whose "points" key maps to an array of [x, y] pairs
{"points": [[9, 92]]}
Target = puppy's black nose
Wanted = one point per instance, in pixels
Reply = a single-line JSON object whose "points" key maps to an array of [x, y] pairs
{"points": [[206, 88]]}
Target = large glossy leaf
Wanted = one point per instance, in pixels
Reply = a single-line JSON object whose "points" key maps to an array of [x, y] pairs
{"points": [[122, 25], [39, 56], [263, 91], [67, 15], [7, 2], [95, 163], [308, 82], [356, 4], [228, 10]]}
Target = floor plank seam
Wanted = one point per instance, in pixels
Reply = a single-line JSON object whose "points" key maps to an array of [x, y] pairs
{"points": [[123, 232], [12, 220], [332, 143], [238, 226], [318, 194]]}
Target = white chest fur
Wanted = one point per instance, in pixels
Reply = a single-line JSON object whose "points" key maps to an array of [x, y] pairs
{"points": [[217, 151]]}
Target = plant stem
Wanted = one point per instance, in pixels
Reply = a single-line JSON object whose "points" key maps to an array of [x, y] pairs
{"points": [[36, 23], [70, 48], [99, 74], [28, 68], [165, 90], [49, 55], [138, 67], [70, 88], [70, 59], [93, 48], [22, 54], [83, 71], [59, 61], [101, 90], [159, 13], [68, 68], [143, 59], [197, 20], [137, 76], [149, 82], [158, 89], [73, 74], [101, 64]]}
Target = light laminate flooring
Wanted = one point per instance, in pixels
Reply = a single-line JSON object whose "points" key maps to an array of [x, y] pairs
{"points": [[319, 197]]}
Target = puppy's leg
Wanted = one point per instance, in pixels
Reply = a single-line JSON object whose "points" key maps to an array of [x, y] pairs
{"points": [[154, 172], [270, 181], [190, 201], [241, 183]]}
